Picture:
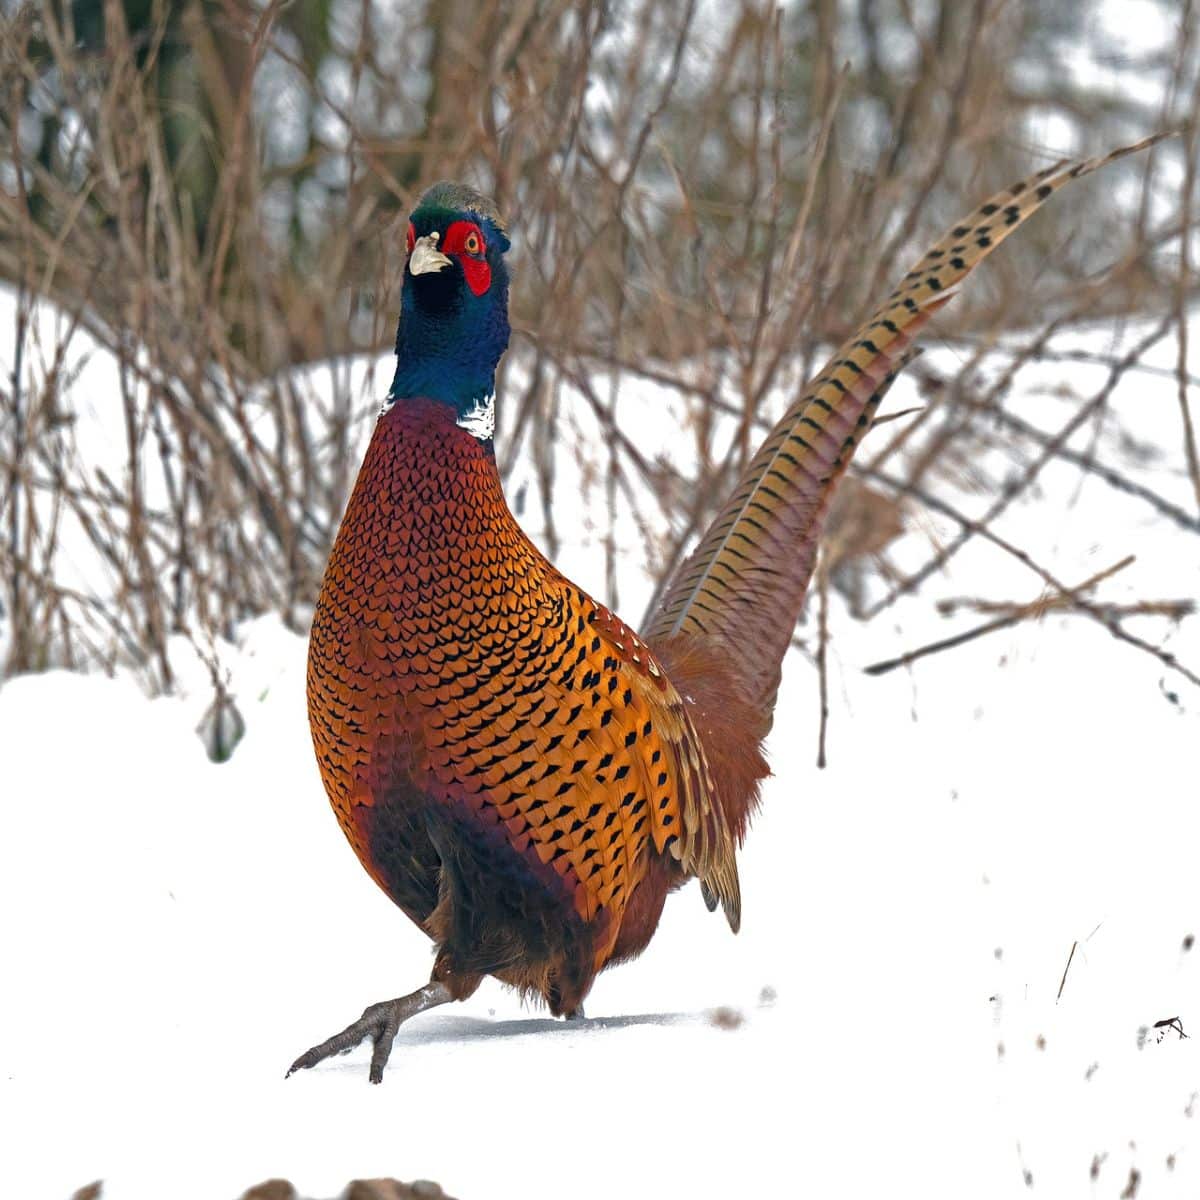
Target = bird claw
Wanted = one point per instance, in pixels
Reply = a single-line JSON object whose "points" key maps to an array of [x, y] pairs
{"points": [[379, 1022]]}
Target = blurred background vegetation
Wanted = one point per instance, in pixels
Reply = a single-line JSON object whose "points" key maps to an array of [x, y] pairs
{"points": [[702, 194]]}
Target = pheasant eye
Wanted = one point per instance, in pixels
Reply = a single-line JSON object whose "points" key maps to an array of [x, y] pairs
{"points": [[411, 239], [473, 245]]}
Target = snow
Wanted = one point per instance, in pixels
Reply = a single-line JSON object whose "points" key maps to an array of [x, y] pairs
{"points": [[889, 1021]]}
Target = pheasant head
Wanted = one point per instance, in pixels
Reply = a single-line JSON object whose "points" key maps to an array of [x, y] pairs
{"points": [[453, 305]]}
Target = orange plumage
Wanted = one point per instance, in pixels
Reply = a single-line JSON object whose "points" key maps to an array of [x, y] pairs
{"points": [[521, 773], [460, 689]]}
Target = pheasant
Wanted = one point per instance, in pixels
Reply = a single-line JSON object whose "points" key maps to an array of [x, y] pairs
{"points": [[525, 776]]}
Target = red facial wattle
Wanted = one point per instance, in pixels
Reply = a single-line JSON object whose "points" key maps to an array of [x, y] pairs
{"points": [[464, 241]]}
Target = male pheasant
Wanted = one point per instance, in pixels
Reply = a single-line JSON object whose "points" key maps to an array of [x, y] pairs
{"points": [[520, 772]]}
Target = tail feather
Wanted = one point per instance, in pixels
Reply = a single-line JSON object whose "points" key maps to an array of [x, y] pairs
{"points": [[745, 582]]}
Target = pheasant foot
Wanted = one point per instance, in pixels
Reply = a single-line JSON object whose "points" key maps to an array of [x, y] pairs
{"points": [[379, 1022]]}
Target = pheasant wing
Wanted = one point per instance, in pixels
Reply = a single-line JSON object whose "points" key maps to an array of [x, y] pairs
{"points": [[582, 759]]}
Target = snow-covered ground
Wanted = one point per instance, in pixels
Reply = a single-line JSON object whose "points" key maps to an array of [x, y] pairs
{"points": [[892, 1020]]}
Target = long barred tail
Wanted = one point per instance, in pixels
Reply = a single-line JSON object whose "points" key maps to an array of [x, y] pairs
{"points": [[745, 582]]}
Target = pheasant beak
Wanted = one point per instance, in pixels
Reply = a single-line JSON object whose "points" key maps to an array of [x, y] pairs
{"points": [[426, 257]]}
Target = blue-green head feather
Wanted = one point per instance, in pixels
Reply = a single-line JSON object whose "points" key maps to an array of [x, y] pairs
{"points": [[454, 302]]}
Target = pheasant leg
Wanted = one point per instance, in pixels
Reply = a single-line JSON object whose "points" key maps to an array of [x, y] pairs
{"points": [[379, 1022]]}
